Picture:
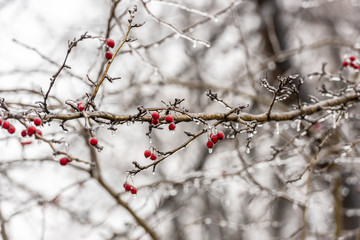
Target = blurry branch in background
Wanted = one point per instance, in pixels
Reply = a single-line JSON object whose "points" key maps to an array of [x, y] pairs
{"points": [[188, 29], [173, 28]]}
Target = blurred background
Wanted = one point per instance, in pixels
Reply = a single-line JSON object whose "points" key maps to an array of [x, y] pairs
{"points": [[244, 188]]}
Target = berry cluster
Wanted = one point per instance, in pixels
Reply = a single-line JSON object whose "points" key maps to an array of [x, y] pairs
{"points": [[6, 125], [155, 118], [128, 187], [214, 138], [170, 119], [352, 62], [151, 155], [110, 43], [31, 130]]}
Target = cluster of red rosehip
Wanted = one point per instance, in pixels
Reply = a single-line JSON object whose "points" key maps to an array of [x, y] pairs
{"points": [[213, 138], [155, 120], [352, 62], [151, 155], [168, 119], [6, 125], [110, 43], [31, 130], [128, 187]]}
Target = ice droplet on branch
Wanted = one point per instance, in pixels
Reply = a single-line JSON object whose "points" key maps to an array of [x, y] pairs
{"points": [[298, 126], [277, 128]]}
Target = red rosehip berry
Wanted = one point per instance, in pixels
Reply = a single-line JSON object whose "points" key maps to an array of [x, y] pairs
{"points": [[220, 135], [133, 190], [93, 141], [127, 186], [0, 121], [110, 42], [31, 130], [210, 144], [352, 58], [155, 115], [172, 126], [345, 63], [81, 106], [147, 153], [6, 125], [37, 121], [23, 133], [169, 119], [356, 66], [153, 156], [155, 121], [214, 138], [38, 132], [11, 129], [108, 55], [63, 161]]}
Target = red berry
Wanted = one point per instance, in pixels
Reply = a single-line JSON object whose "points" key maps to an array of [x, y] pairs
{"points": [[23, 133], [155, 115], [110, 42], [37, 121], [0, 121], [214, 138], [169, 119], [31, 130], [345, 63], [108, 55], [93, 141], [220, 135], [210, 144], [352, 58], [81, 106], [356, 66], [133, 190], [153, 156], [127, 186], [6, 125], [172, 126], [25, 143], [11, 129], [64, 161], [38, 132], [155, 121], [147, 153]]}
